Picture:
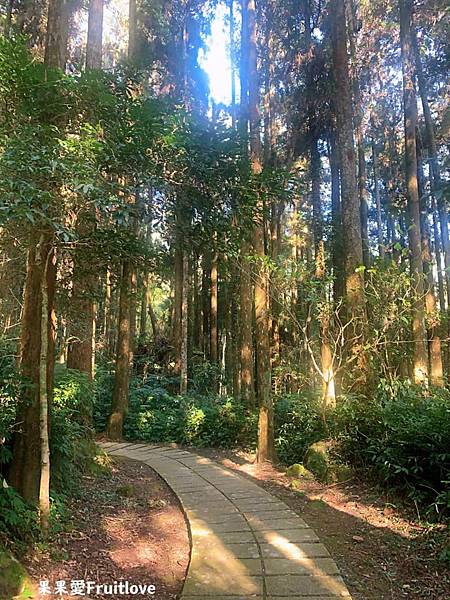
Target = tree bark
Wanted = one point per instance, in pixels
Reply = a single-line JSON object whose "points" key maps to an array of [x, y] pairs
{"points": [[184, 326], [44, 483], [434, 162], [177, 301], [266, 448], [376, 188], [351, 221], [119, 405], [420, 367], [432, 315], [94, 47], [214, 341], [25, 469]]}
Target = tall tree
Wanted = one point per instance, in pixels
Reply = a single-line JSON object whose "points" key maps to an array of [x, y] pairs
{"points": [[351, 222], [28, 442], [246, 290], [266, 448], [414, 235]]}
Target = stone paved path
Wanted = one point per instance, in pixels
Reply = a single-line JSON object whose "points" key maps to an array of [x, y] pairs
{"points": [[245, 542]]}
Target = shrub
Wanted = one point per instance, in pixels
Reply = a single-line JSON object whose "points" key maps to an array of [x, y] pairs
{"points": [[71, 446], [9, 391], [18, 520], [156, 416], [298, 424], [403, 436]]}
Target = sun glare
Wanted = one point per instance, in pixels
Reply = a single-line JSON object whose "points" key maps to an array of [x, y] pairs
{"points": [[215, 60]]}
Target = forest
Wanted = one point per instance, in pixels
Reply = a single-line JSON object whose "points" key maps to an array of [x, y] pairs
{"points": [[259, 278]]}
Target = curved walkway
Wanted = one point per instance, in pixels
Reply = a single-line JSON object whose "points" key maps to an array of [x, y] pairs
{"points": [[245, 542]]}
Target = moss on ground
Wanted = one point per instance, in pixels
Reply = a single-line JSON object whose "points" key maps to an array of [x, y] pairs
{"points": [[14, 580], [319, 460]]}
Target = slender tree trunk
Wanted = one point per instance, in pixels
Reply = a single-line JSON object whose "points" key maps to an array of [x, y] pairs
{"points": [[432, 315], [246, 318], [410, 121], [44, 484], [351, 221], [153, 319], [336, 222], [8, 19], [132, 29], [438, 254], [177, 301], [144, 306], [119, 405], [376, 188], [434, 163], [184, 325], [81, 351], [266, 449], [232, 63], [328, 387], [214, 342]]}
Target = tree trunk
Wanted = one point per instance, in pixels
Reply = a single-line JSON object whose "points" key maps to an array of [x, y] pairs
{"points": [[132, 29], [44, 484], [214, 341], [184, 325], [376, 188], [351, 221], [119, 405], [94, 47], [81, 349], [144, 306], [432, 315], [82, 338], [266, 449], [25, 469], [177, 300], [59, 13], [328, 387], [414, 236], [434, 163], [336, 224]]}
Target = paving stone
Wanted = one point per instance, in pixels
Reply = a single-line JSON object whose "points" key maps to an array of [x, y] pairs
{"points": [[298, 597], [260, 506], [229, 583], [211, 516], [235, 525], [243, 537], [305, 585], [277, 538], [264, 515], [218, 562], [304, 566], [294, 551], [245, 550], [203, 597], [277, 525]]}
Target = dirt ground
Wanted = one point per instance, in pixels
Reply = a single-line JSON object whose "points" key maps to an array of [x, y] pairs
{"points": [[381, 550], [129, 527]]}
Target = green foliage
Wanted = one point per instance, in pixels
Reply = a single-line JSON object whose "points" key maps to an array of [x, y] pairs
{"points": [[155, 415], [298, 424], [71, 445], [403, 436], [9, 390], [18, 520]]}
